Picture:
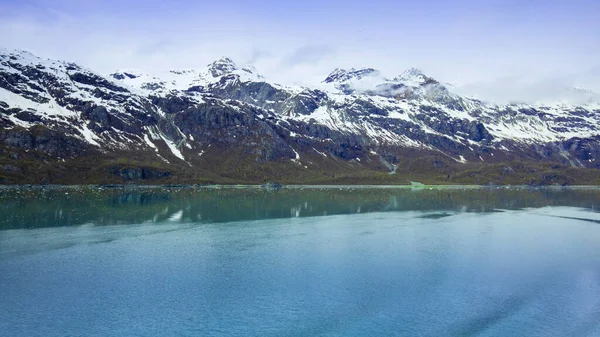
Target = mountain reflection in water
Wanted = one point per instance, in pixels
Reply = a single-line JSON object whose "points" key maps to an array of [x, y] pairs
{"points": [[54, 207]]}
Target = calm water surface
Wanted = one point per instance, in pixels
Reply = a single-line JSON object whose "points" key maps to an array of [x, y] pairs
{"points": [[302, 262]]}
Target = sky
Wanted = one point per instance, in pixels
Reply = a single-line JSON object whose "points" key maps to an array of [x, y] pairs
{"points": [[496, 50]]}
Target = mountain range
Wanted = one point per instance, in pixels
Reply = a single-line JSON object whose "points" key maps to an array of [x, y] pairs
{"points": [[63, 123]]}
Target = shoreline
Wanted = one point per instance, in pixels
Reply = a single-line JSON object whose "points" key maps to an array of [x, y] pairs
{"points": [[290, 187]]}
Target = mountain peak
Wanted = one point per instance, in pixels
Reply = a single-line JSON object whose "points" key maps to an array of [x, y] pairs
{"points": [[343, 75], [222, 66], [6, 51], [414, 77], [413, 72], [23, 56]]}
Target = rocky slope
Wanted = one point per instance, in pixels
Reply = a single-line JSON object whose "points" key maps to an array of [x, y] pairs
{"points": [[63, 123]]}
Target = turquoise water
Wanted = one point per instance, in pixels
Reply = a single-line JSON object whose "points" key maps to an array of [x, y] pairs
{"points": [[369, 262]]}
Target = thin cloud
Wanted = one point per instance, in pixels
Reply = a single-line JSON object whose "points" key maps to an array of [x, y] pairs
{"points": [[258, 54], [308, 54], [517, 89]]}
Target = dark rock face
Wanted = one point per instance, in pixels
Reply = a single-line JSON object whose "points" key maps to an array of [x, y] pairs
{"points": [[172, 104], [153, 86], [306, 102], [42, 139], [227, 127], [315, 130], [585, 151], [138, 173], [366, 108], [122, 76], [96, 81], [11, 169], [118, 76], [17, 138], [256, 93], [14, 82], [97, 115], [442, 123], [477, 132], [28, 116]]}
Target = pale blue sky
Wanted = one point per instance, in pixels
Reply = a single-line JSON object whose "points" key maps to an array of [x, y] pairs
{"points": [[464, 42]]}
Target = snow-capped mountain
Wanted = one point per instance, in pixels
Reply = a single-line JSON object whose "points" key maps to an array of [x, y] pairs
{"points": [[183, 80], [229, 123]]}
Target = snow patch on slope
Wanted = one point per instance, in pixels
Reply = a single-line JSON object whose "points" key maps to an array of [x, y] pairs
{"points": [[172, 147]]}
